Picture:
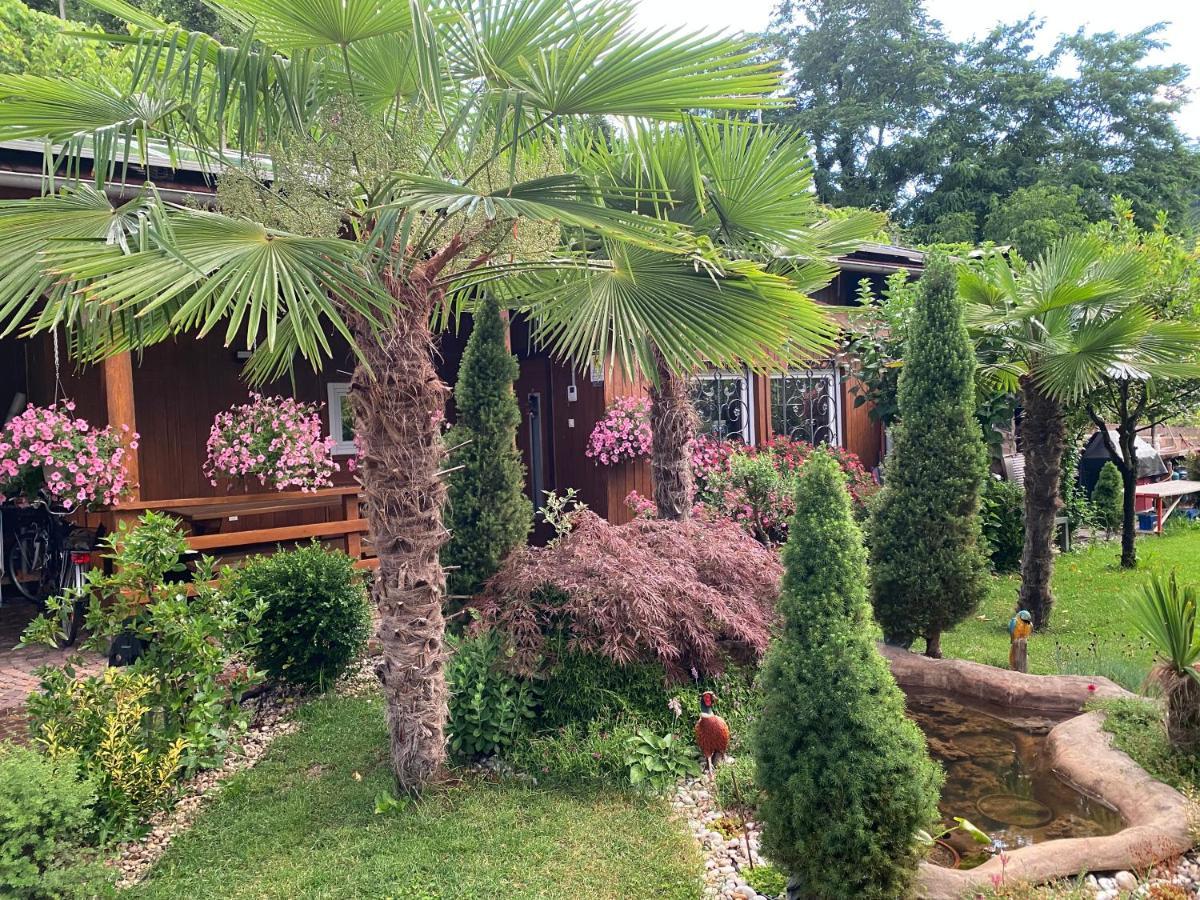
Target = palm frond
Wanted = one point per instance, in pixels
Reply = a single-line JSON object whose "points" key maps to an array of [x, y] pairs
{"points": [[310, 24]]}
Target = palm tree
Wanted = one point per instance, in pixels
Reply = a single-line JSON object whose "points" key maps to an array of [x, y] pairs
{"points": [[433, 136], [1166, 617], [746, 192], [1066, 324]]}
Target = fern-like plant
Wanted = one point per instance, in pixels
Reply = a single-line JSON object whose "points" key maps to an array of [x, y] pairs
{"points": [[1166, 616]]}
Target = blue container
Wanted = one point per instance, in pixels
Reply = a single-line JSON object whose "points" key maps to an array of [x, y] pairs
{"points": [[1147, 521]]}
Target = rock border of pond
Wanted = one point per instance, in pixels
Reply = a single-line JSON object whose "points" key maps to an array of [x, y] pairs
{"points": [[1081, 752]]}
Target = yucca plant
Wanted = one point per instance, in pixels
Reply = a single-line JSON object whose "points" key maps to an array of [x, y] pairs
{"points": [[1166, 616], [379, 163]]}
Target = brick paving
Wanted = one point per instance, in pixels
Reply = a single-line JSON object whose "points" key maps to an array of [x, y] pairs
{"points": [[17, 665]]}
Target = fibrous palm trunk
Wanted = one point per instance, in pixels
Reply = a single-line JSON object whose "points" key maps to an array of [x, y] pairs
{"points": [[673, 426], [1183, 711], [399, 404], [1043, 430]]}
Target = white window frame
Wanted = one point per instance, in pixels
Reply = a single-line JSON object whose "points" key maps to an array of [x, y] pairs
{"points": [[336, 392], [747, 399], [833, 376]]}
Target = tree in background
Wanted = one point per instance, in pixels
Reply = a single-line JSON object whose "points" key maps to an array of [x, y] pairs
{"points": [[848, 781], [1058, 329], [1138, 399], [36, 43], [928, 565], [415, 158], [488, 513], [1107, 497], [864, 77], [991, 138], [193, 15]]}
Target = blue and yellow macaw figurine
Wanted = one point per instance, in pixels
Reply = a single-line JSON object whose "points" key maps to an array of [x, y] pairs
{"points": [[1020, 627]]}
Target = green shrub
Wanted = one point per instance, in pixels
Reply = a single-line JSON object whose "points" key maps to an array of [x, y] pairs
{"points": [[765, 879], [316, 618], [489, 708], [175, 708], [928, 571], [1108, 498], [576, 754], [1002, 516], [488, 512], [590, 689], [735, 785], [45, 816], [847, 779], [658, 762]]}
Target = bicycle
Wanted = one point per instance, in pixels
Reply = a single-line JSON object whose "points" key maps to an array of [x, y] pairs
{"points": [[44, 554]]}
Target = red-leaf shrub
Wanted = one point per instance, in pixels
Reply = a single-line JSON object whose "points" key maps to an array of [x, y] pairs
{"points": [[686, 595]]}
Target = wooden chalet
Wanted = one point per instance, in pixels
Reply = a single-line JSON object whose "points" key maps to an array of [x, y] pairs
{"points": [[171, 392]]}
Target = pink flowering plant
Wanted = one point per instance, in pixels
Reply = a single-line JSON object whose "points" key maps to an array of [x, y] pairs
{"points": [[623, 434], [278, 440], [50, 450]]}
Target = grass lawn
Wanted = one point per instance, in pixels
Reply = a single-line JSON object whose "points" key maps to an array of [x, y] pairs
{"points": [[1089, 630], [303, 824]]}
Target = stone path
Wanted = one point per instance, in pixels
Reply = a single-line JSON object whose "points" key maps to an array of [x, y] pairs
{"points": [[16, 666]]}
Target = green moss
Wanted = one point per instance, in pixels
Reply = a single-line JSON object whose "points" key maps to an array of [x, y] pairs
{"points": [[1137, 729]]}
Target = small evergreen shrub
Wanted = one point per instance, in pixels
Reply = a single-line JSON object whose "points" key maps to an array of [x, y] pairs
{"points": [[847, 779], [489, 707], [928, 570], [690, 595], [1108, 498], [316, 618], [45, 815], [1002, 519], [488, 514]]}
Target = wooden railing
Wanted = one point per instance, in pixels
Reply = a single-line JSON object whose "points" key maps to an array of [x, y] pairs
{"points": [[206, 517]]}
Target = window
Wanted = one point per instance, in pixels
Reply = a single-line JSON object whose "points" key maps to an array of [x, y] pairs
{"points": [[805, 406], [341, 418], [725, 405]]}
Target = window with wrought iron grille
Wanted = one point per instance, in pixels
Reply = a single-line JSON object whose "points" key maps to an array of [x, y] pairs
{"points": [[724, 404], [806, 406]]}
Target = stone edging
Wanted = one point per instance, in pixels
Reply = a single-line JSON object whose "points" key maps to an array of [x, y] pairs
{"points": [[1081, 752]]}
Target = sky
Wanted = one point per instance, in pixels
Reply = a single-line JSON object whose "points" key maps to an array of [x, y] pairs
{"points": [[964, 19]]}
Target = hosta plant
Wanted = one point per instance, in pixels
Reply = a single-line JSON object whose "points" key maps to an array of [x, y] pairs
{"points": [[1166, 616], [658, 763], [277, 441], [49, 449]]}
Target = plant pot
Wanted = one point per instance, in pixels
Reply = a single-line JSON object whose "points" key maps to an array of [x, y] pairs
{"points": [[943, 854]]}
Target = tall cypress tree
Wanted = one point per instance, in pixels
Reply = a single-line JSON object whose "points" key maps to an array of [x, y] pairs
{"points": [[928, 566], [847, 778], [488, 513]]}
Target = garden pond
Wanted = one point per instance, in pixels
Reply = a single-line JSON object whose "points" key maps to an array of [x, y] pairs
{"points": [[997, 778]]}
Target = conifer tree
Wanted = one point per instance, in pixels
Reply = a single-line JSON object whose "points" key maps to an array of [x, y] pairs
{"points": [[1108, 498], [489, 513], [928, 566], [847, 778]]}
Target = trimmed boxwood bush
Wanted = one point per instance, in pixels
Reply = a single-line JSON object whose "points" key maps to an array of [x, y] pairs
{"points": [[317, 615], [846, 776], [45, 813]]}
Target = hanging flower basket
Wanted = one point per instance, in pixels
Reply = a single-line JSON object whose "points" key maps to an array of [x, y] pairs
{"points": [[623, 434], [277, 440], [48, 451]]}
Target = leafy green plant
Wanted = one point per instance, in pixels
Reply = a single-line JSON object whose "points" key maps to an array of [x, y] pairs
{"points": [[175, 708], [833, 732], [658, 763], [1167, 615], [734, 785], [575, 754], [1108, 498], [45, 817], [489, 707], [316, 616], [1002, 519], [559, 511], [765, 879], [594, 691]]}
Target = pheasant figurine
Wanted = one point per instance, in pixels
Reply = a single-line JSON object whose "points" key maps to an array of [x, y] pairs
{"points": [[712, 734]]}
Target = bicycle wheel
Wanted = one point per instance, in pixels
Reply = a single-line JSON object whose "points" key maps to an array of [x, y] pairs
{"points": [[27, 566], [72, 616]]}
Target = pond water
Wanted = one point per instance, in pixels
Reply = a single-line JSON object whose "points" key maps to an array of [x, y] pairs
{"points": [[997, 778]]}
